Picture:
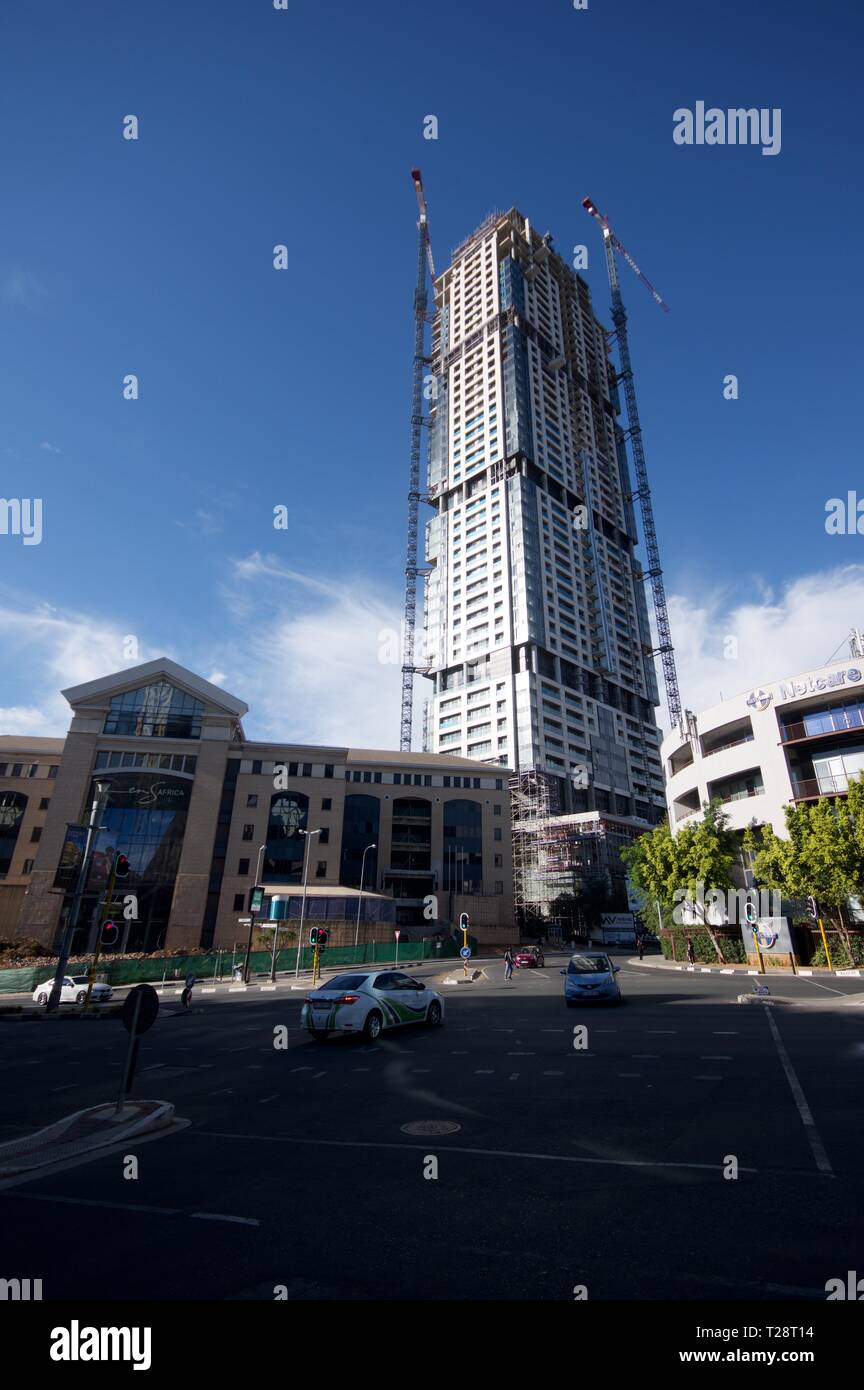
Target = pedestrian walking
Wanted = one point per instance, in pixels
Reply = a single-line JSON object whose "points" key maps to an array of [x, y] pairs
{"points": [[691, 957], [640, 945], [186, 996], [508, 964]]}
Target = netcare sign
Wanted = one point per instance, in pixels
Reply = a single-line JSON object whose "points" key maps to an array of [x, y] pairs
{"points": [[806, 685]]}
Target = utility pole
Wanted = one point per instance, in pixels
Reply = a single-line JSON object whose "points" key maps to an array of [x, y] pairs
{"points": [[255, 899], [98, 806], [308, 834]]}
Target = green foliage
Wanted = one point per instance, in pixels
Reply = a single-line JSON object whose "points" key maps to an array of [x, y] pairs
{"points": [[823, 854], [702, 853], [731, 947]]}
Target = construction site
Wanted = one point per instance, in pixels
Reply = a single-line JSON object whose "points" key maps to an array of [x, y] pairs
{"points": [[515, 383]]}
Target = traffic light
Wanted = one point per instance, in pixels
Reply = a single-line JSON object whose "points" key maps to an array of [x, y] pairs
{"points": [[463, 921], [322, 936], [313, 937], [121, 866], [110, 932]]}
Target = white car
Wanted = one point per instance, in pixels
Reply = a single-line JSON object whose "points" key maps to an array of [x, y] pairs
{"points": [[368, 1001], [73, 991]]}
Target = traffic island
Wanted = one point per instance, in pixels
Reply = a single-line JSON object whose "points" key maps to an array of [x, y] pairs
{"points": [[85, 1132], [462, 978]]}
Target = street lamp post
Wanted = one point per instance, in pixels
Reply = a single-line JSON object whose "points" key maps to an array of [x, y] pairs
{"points": [[308, 834], [360, 899], [256, 884], [98, 806]]}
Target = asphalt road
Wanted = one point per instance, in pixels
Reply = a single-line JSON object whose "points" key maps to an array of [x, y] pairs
{"points": [[601, 1166]]}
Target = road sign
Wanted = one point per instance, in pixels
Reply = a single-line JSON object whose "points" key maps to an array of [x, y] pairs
{"points": [[144, 1000], [256, 899], [465, 952]]}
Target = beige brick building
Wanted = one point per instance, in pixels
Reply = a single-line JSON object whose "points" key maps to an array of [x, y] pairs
{"points": [[202, 812]]}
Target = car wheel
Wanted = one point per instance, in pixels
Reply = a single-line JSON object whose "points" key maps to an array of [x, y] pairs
{"points": [[43, 1000], [433, 1014], [80, 996], [372, 1026]]}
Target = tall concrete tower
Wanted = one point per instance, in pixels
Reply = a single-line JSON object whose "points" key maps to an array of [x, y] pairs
{"points": [[535, 624]]}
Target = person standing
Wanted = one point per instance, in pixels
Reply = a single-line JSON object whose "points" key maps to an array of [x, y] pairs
{"points": [[691, 956], [640, 940], [186, 996], [508, 964]]}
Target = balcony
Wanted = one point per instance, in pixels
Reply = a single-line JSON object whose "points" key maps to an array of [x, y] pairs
{"points": [[811, 788], [840, 721]]}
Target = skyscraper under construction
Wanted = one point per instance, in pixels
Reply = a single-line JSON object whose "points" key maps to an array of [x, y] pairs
{"points": [[536, 628]]}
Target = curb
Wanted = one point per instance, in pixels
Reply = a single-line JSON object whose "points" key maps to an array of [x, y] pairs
{"points": [[783, 973], [52, 1144]]}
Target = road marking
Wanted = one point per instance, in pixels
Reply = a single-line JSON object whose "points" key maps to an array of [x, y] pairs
{"points": [[217, 1216], [485, 1071], [226, 1091], [265, 1099], [725, 1033], [661, 1030], [827, 987], [317, 1074], [94, 1202], [67, 1088], [553, 1030], [465, 1149], [301, 1068], [813, 1138], [605, 1030], [521, 1054], [514, 1076]]}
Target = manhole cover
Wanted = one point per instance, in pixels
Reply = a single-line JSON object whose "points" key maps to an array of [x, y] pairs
{"points": [[431, 1127]]}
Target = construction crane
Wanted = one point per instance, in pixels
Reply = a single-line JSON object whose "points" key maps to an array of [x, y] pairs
{"points": [[418, 420], [665, 650]]}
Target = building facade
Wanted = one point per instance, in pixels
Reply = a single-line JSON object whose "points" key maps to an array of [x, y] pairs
{"points": [[789, 741], [203, 813], [536, 627]]}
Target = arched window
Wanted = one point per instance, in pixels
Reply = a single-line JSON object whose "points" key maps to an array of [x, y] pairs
{"points": [[463, 846], [360, 828], [12, 808], [283, 857]]}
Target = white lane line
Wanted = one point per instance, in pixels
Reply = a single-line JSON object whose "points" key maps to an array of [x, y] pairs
{"points": [[71, 1085], [265, 1099], [217, 1216], [301, 1068], [553, 1030], [827, 987], [94, 1202], [317, 1074], [462, 1148], [514, 1076], [485, 1071], [813, 1138]]}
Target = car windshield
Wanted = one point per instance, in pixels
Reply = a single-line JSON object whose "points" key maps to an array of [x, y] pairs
{"points": [[344, 982], [589, 965], [79, 979]]}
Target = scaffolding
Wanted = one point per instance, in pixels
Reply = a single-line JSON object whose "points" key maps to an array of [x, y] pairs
{"points": [[533, 840]]}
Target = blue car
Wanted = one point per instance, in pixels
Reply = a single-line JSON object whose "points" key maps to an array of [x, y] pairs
{"points": [[590, 976]]}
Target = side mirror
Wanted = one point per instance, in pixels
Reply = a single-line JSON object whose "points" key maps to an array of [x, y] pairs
{"points": [[616, 968]]}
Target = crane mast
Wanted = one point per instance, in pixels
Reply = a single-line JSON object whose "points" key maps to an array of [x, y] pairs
{"points": [[654, 573], [418, 420]]}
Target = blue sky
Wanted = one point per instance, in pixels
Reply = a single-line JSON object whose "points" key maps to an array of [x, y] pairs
{"points": [[260, 388]]}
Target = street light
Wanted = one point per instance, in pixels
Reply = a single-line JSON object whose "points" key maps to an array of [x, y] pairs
{"points": [[100, 798], [256, 884], [308, 834], [360, 899]]}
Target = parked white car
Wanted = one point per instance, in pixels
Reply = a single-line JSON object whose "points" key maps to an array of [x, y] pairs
{"points": [[74, 991]]}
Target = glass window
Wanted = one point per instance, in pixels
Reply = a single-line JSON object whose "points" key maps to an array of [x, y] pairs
{"points": [[239, 901], [44, 803], [360, 829], [324, 836], [286, 847], [321, 869], [12, 808], [36, 834], [248, 832], [252, 799], [328, 769], [326, 803], [243, 868], [155, 711]]}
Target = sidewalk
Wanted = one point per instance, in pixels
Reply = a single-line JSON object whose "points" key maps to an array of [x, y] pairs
{"points": [[820, 971]]}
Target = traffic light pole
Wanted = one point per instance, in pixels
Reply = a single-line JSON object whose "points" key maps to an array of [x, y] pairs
{"points": [[75, 906], [106, 910]]}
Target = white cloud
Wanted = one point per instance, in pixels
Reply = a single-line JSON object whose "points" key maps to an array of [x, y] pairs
{"points": [[775, 635], [21, 287], [50, 448], [55, 650]]}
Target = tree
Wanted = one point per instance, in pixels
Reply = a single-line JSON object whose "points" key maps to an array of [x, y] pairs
{"points": [[821, 856]]}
